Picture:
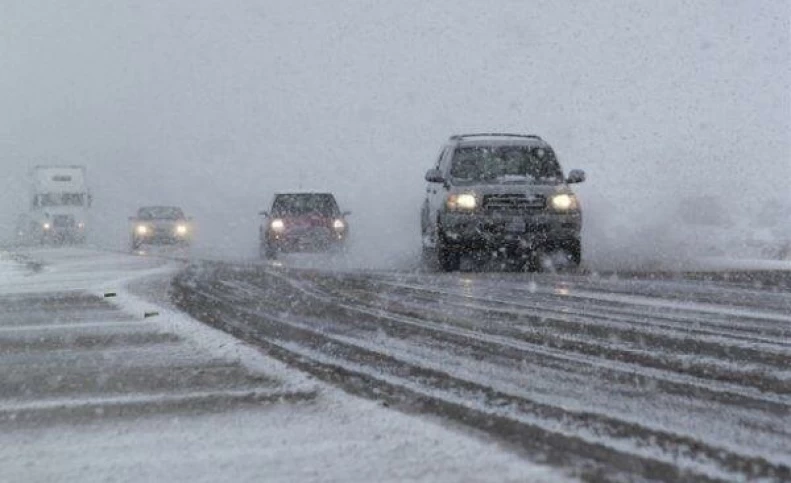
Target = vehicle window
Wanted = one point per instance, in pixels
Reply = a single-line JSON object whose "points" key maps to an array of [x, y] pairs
{"points": [[505, 164], [160, 213], [299, 205], [439, 159], [59, 199]]}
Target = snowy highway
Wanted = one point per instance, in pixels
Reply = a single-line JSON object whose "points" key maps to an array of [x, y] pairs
{"points": [[102, 379], [654, 377], [435, 241]]}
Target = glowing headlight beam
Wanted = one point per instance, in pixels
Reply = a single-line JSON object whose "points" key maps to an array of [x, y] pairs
{"points": [[339, 225], [181, 229], [46, 226], [463, 201], [564, 202], [277, 225], [141, 230]]}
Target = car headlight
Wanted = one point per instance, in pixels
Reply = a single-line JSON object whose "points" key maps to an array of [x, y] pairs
{"points": [[46, 226], [277, 225], [463, 201], [564, 202], [141, 230], [181, 229], [81, 225]]}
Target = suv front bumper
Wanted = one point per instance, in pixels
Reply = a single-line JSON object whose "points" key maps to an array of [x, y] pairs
{"points": [[526, 231]]}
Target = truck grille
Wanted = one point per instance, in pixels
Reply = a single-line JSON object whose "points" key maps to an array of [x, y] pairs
{"points": [[63, 221], [514, 202]]}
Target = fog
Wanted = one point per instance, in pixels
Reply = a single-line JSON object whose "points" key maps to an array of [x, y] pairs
{"points": [[214, 105]]}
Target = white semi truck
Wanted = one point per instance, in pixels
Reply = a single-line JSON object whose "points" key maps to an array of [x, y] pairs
{"points": [[59, 206]]}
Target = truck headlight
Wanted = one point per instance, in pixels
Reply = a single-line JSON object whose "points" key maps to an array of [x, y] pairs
{"points": [[564, 202], [277, 225], [181, 230], [463, 201], [142, 230]]}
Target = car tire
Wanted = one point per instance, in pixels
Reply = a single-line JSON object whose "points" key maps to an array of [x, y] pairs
{"points": [[449, 259], [268, 252], [575, 252]]}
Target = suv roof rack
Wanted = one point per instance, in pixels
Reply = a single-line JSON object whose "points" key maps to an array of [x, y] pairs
{"points": [[457, 137]]}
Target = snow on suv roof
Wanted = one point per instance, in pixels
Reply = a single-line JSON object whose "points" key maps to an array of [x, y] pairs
{"points": [[303, 192], [498, 138], [459, 137]]}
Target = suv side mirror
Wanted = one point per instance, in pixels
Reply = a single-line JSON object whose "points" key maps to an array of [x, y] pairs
{"points": [[346, 213], [263, 213], [576, 176], [434, 176]]}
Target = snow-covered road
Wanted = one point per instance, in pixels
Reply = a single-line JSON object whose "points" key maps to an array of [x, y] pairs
{"points": [[101, 382], [669, 379]]}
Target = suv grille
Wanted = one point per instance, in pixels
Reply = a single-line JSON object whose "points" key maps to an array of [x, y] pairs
{"points": [[513, 202]]}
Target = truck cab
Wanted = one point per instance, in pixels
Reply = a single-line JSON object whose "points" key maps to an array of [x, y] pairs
{"points": [[59, 206]]}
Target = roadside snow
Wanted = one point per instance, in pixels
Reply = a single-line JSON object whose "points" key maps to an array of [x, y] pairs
{"points": [[723, 263], [9, 269], [335, 439]]}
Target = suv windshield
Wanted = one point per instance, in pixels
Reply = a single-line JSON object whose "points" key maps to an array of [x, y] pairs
{"points": [[160, 213], [505, 164], [305, 204]]}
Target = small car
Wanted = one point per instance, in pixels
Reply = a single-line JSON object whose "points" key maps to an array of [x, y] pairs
{"points": [[303, 222], [160, 225], [500, 195]]}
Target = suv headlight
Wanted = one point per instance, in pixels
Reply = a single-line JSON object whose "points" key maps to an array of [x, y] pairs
{"points": [[277, 225], [181, 230], [142, 230], [564, 202], [462, 202]]}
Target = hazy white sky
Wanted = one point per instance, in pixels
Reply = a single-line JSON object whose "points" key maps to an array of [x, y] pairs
{"points": [[213, 104]]}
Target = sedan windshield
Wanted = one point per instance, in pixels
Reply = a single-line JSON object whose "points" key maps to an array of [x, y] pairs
{"points": [[305, 204], [160, 213], [505, 164]]}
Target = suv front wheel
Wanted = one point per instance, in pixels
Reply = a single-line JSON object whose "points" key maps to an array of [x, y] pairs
{"points": [[267, 251], [448, 258]]}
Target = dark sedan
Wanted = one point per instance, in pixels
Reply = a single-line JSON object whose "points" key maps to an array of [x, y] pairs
{"points": [[160, 225]]}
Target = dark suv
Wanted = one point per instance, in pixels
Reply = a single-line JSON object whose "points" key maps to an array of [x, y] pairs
{"points": [[500, 195], [303, 221]]}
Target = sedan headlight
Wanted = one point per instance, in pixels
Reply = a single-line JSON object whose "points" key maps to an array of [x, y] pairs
{"points": [[142, 230], [463, 201], [181, 230], [277, 225], [564, 202]]}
